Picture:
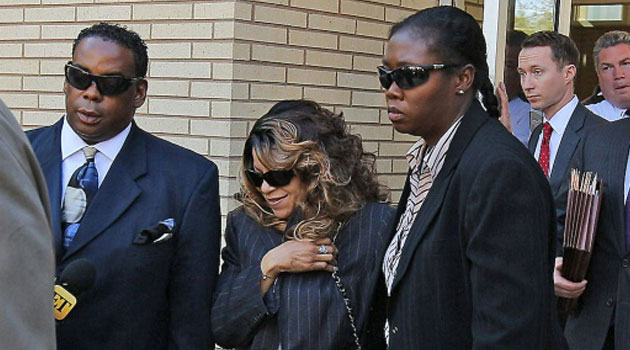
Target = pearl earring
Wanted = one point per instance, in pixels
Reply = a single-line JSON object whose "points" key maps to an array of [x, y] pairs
{"points": [[460, 92]]}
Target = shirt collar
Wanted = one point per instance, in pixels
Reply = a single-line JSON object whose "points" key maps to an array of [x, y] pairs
{"points": [[433, 157], [618, 111], [560, 120], [72, 143]]}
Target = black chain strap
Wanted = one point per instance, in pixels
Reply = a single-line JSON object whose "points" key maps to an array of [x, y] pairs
{"points": [[346, 299]]}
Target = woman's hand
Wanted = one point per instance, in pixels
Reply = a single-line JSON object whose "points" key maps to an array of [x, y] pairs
{"points": [[299, 256]]}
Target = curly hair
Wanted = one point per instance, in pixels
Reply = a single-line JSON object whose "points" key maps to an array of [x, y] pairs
{"points": [[338, 174], [121, 35]]}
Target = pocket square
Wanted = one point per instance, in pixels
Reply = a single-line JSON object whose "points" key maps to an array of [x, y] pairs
{"points": [[160, 232]]}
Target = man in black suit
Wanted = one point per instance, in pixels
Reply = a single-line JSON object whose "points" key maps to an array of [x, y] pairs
{"points": [[548, 66], [602, 320], [145, 212]]}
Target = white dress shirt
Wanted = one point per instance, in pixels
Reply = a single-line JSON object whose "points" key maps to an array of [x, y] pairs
{"points": [[607, 111], [558, 123], [72, 157]]}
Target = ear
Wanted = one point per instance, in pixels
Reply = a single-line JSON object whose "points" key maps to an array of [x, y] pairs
{"points": [[465, 78], [140, 93], [569, 73]]}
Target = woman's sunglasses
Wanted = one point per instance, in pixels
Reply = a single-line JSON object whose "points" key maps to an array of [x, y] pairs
{"points": [[408, 77], [108, 85], [275, 178]]}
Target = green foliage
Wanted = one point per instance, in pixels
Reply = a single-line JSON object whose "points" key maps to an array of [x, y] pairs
{"points": [[534, 15]]}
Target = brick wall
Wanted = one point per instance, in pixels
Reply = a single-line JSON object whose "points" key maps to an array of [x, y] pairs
{"points": [[215, 66], [475, 8]]}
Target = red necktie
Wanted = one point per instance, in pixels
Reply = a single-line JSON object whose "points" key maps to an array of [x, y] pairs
{"points": [[543, 158]]}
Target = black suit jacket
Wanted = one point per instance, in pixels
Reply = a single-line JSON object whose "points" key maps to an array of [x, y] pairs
{"points": [[476, 270], [580, 122], [154, 296], [301, 310], [606, 299]]}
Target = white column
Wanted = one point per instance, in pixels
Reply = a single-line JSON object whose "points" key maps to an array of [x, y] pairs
{"points": [[564, 18], [495, 15]]}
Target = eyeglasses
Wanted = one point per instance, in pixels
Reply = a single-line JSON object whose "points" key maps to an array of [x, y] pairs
{"points": [[108, 85], [408, 77], [275, 178]]}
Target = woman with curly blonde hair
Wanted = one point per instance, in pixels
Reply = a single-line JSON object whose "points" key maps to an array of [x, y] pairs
{"points": [[303, 252]]}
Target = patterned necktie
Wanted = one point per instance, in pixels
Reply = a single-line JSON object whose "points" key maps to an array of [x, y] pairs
{"points": [[543, 158], [79, 193]]}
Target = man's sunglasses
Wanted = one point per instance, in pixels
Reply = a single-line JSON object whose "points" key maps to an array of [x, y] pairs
{"points": [[408, 77], [275, 178], [108, 85]]}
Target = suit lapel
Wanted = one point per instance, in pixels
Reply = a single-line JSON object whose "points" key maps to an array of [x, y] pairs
{"points": [[568, 144], [50, 161], [402, 203], [533, 139], [618, 161], [117, 192], [471, 121]]}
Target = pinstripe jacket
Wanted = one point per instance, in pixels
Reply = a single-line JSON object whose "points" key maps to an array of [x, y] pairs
{"points": [[606, 299], [476, 270], [301, 310]]}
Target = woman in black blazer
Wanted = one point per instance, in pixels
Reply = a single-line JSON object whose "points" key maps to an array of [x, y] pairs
{"points": [[303, 252], [470, 264]]}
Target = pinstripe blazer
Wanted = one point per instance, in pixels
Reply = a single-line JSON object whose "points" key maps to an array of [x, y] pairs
{"points": [[476, 270], [301, 310], [606, 300]]}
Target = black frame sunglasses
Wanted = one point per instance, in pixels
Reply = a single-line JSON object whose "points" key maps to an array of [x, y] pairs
{"points": [[275, 178], [108, 85], [409, 77]]}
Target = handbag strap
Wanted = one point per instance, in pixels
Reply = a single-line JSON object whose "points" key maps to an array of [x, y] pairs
{"points": [[346, 299]]}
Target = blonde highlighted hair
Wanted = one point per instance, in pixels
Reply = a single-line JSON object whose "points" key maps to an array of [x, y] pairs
{"points": [[313, 142]]}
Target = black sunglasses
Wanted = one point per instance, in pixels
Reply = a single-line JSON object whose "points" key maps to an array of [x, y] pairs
{"points": [[408, 77], [275, 178], [108, 85]]}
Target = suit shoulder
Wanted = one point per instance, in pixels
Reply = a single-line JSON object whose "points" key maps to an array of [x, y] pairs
{"points": [[178, 155], [610, 131], [237, 213], [594, 120], [492, 137], [377, 214], [35, 135], [377, 208], [493, 145]]}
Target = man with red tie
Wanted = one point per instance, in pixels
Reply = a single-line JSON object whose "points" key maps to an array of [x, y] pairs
{"points": [[547, 65]]}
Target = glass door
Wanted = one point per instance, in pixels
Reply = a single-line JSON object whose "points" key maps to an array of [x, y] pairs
{"points": [[589, 20]]}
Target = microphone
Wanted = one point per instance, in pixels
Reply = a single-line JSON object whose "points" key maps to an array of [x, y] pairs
{"points": [[78, 276]]}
